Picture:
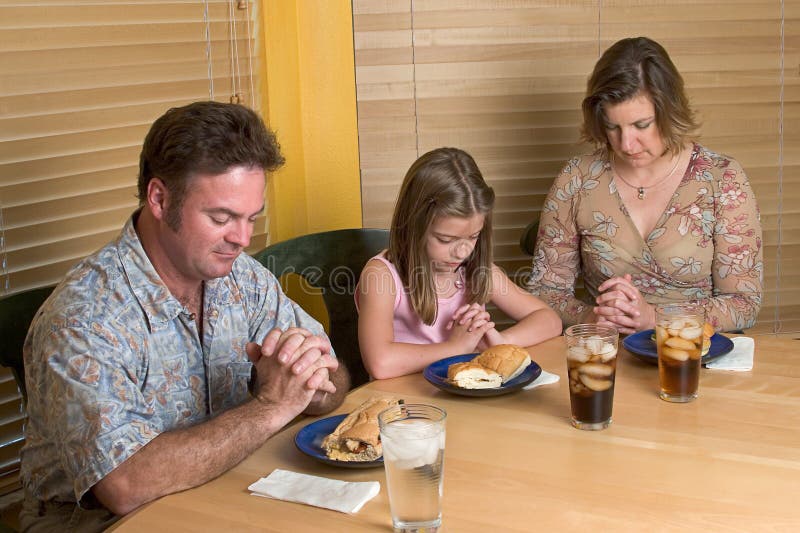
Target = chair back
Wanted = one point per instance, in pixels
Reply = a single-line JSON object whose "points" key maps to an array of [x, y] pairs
{"points": [[332, 262], [527, 241], [16, 314]]}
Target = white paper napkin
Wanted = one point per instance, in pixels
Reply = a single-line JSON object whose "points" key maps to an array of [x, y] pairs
{"points": [[342, 496], [545, 378], [738, 359]]}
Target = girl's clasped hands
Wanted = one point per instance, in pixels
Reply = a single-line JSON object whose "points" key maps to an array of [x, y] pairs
{"points": [[472, 325]]}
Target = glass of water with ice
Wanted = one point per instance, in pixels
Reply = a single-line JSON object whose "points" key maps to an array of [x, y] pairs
{"points": [[412, 436]]}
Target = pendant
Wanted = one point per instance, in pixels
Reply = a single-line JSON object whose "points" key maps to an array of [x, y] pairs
{"points": [[641, 193]]}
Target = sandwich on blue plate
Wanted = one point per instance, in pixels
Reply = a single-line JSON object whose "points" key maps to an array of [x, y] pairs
{"points": [[357, 437], [493, 367]]}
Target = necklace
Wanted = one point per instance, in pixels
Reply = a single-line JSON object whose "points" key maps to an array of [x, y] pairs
{"points": [[640, 189], [444, 286]]}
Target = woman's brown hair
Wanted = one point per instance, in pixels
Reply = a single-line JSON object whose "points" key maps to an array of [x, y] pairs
{"points": [[445, 182], [630, 67]]}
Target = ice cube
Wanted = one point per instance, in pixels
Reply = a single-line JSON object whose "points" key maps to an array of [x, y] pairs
{"points": [[676, 324], [691, 323], [578, 353], [598, 385], [674, 353], [432, 451], [691, 333], [680, 343], [596, 370], [412, 443], [594, 344], [608, 352]]}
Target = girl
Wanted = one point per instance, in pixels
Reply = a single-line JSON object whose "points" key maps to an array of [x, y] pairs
{"points": [[424, 298]]}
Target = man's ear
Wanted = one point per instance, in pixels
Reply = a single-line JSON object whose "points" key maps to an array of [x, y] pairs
{"points": [[157, 198]]}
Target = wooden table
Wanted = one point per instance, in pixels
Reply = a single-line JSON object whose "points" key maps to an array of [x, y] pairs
{"points": [[730, 461]]}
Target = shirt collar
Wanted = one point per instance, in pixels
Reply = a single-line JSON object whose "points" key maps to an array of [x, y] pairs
{"points": [[153, 295]]}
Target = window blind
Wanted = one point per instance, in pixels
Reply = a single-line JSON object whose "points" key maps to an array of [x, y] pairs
{"points": [[82, 82], [503, 79]]}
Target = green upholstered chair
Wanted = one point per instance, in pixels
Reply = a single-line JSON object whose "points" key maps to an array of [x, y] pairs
{"points": [[332, 262], [16, 313], [527, 241]]}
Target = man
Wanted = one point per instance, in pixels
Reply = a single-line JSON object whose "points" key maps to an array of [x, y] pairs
{"points": [[169, 356]]}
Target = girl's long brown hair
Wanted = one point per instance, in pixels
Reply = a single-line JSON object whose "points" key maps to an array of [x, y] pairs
{"points": [[444, 182]]}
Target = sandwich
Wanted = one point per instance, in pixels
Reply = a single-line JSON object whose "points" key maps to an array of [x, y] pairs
{"points": [[357, 437], [472, 375], [508, 360], [490, 369]]}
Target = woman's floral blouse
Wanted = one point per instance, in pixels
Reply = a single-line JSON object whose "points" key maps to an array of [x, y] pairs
{"points": [[705, 248]]}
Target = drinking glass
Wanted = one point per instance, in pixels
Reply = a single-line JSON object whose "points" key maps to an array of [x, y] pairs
{"points": [[591, 365], [679, 341], [413, 455]]}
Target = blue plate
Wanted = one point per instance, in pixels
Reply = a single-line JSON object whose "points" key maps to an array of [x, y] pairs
{"points": [[643, 347], [309, 441], [436, 373]]}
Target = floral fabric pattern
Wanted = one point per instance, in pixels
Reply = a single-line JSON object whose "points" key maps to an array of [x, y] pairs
{"points": [[113, 359], [705, 248]]}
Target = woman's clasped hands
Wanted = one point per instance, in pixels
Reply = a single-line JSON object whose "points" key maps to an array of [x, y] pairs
{"points": [[621, 305]]}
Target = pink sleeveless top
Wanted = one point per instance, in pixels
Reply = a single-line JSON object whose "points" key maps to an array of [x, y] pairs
{"points": [[408, 327]]}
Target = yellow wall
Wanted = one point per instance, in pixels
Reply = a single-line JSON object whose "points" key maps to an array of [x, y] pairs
{"points": [[310, 101]]}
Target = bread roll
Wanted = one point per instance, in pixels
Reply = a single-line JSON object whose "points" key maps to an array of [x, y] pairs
{"points": [[472, 375], [508, 360]]}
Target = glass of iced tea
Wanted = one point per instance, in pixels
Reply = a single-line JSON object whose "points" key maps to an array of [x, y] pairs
{"points": [[591, 365], [679, 341]]}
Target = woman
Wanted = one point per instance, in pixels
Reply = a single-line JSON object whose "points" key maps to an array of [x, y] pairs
{"points": [[650, 216]]}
